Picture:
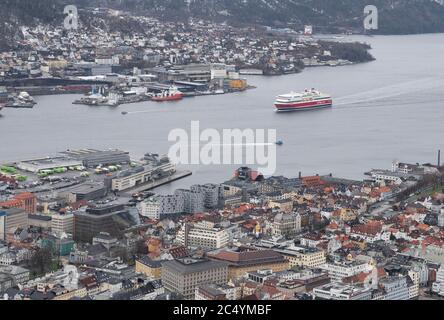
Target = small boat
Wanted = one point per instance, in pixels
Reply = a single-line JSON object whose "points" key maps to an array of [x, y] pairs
{"points": [[172, 94], [279, 142], [124, 113]]}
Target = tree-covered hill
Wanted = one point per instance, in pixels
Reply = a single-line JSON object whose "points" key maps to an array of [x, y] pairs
{"points": [[395, 16]]}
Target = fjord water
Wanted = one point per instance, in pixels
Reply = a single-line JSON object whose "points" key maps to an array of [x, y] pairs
{"points": [[392, 108]]}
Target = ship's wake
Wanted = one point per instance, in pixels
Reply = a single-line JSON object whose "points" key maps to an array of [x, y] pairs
{"points": [[402, 89]]}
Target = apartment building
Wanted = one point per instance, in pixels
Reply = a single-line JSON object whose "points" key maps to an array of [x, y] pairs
{"points": [[160, 205], [203, 235], [304, 256], [287, 224]]}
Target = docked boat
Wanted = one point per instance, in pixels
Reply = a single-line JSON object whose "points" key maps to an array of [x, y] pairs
{"points": [[98, 100], [22, 100], [3, 97], [20, 105], [307, 100], [24, 97], [172, 94]]}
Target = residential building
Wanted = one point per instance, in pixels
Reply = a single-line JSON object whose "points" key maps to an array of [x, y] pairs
{"points": [[203, 235], [149, 267], [299, 256], [158, 206], [287, 224]]}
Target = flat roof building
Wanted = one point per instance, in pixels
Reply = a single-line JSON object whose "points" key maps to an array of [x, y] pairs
{"points": [[62, 223], [247, 261], [49, 163], [184, 275], [15, 218], [141, 175], [2, 225], [342, 292], [85, 191], [92, 158], [108, 219]]}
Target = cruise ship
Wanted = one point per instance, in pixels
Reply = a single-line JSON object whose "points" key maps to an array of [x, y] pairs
{"points": [[309, 99]]}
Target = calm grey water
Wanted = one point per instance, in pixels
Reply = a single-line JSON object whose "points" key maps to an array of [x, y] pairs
{"points": [[384, 110]]}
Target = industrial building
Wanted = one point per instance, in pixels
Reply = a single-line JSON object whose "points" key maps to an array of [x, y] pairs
{"points": [[85, 191], [49, 163], [91, 158]]}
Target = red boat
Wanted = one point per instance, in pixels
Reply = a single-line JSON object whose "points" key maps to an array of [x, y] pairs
{"points": [[171, 94]]}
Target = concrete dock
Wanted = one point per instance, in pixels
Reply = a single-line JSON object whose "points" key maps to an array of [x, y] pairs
{"points": [[149, 186]]}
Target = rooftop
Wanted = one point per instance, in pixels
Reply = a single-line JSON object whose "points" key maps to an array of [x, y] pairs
{"points": [[190, 265], [247, 258]]}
